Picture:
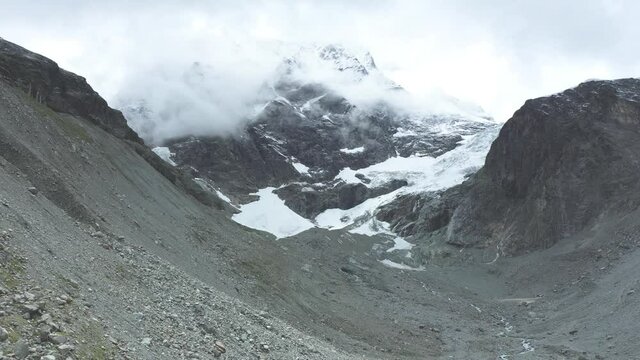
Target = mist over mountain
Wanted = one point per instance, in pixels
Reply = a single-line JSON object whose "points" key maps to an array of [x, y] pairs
{"points": [[198, 98]]}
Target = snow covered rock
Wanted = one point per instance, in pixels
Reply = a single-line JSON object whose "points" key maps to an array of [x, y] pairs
{"points": [[320, 145]]}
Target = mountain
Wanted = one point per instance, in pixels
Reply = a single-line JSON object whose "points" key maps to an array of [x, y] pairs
{"points": [[561, 165], [109, 252], [330, 156]]}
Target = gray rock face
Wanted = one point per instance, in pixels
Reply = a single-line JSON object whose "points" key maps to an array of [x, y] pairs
{"points": [[21, 350], [309, 200], [416, 214], [559, 163], [59, 89]]}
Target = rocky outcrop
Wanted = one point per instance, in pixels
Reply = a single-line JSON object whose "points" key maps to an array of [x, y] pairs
{"points": [[414, 214], [559, 165], [59, 89], [310, 200]]}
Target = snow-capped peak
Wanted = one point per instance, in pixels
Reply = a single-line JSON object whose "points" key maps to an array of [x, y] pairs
{"points": [[334, 65]]}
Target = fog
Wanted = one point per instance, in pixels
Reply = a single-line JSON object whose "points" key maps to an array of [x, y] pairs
{"points": [[495, 54]]}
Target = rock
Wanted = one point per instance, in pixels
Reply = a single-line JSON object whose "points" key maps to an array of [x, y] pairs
{"points": [[66, 349], [21, 349], [264, 348], [48, 357], [4, 334], [209, 328], [48, 320], [219, 346], [57, 339], [146, 341], [32, 190], [311, 200], [31, 308], [29, 296], [60, 302], [43, 332], [97, 234]]}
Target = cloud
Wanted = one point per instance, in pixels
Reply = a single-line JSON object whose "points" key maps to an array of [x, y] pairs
{"points": [[495, 53]]}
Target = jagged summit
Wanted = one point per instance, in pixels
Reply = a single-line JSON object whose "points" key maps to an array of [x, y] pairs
{"points": [[358, 63]]}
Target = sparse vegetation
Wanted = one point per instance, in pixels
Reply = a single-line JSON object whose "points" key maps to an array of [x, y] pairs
{"points": [[13, 324], [10, 271], [93, 344]]}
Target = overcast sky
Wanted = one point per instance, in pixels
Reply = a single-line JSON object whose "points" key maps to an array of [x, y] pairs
{"points": [[495, 53]]}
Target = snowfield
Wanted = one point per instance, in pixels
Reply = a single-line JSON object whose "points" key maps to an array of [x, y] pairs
{"points": [[270, 214], [422, 173]]}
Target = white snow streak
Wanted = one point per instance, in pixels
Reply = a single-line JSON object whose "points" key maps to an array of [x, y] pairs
{"points": [[395, 265], [352, 151], [165, 154], [301, 168]]}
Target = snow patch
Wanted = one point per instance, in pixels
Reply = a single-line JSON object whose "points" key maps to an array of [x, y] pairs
{"points": [[270, 214], [353, 151], [339, 218], [282, 100], [222, 196], [404, 133], [165, 154], [307, 105], [301, 168], [371, 227], [348, 175], [400, 244], [395, 265], [526, 345]]}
